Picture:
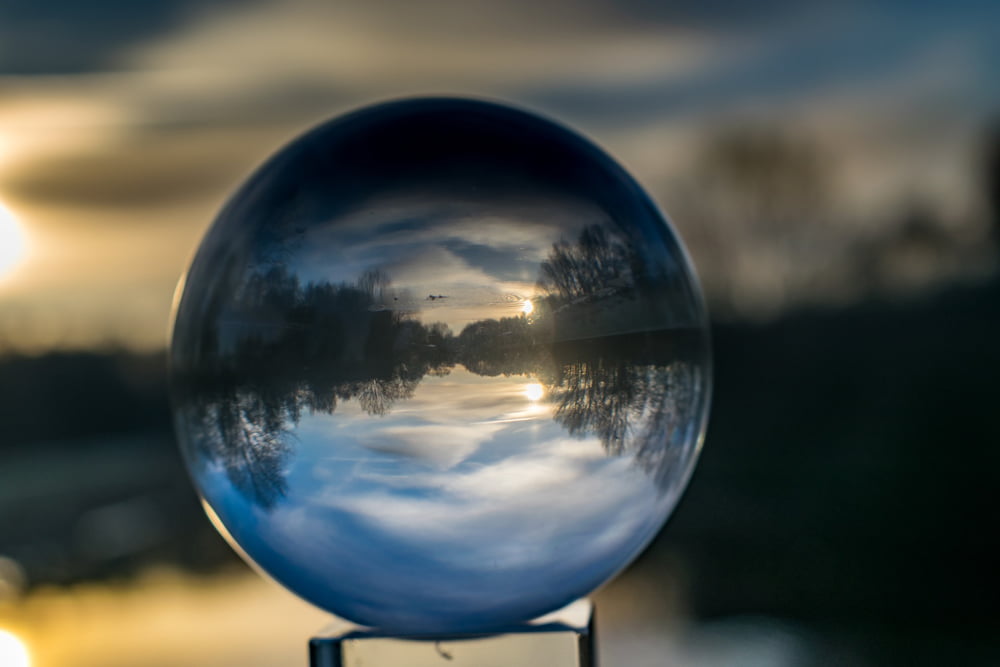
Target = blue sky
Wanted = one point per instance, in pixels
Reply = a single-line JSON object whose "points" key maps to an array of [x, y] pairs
{"points": [[467, 501]]}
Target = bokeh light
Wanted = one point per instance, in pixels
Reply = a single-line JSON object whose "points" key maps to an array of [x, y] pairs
{"points": [[13, 652], [13, 243]]}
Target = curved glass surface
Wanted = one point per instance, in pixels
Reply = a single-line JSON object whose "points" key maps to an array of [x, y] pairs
{"points": [[440, 366]]}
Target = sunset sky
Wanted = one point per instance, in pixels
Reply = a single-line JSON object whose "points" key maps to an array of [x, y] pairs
{"points": [[124, 127]]}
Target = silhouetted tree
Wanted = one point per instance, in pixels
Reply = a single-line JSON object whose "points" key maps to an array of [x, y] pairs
{"points": [[283, 348], [597, 264], [247, 434]]}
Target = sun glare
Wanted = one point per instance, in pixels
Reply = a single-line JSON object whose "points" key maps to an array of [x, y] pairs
{"points": [[12, 242], [534, 391], [13, 652], [527, 307]]}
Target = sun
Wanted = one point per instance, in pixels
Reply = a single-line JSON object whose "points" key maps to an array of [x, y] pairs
{"points": [[527, 307], [13, 652], [13, 245], [534, 391]]}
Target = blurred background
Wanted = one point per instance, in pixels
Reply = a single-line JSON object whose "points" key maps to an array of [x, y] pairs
{"points": [[833, 167]]}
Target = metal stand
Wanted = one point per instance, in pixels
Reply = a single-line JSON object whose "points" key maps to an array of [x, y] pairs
{"points": [[562, 639]]}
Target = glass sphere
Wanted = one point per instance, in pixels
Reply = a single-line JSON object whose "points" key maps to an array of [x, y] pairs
{"points": [[440, 365]]}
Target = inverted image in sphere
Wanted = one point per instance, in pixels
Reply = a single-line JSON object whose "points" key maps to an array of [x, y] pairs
{"points": [[440, 365]]}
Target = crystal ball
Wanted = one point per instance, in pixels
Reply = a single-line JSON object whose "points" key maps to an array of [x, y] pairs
{"points": [[440, 365]]}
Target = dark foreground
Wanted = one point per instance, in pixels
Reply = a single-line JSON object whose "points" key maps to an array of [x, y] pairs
{"points": [[847, 487]]}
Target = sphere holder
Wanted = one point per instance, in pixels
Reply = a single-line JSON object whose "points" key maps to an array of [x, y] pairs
{"points": [[564, 638]]}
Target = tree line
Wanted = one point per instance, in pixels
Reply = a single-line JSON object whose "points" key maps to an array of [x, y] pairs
{"points": [[281, 348]]}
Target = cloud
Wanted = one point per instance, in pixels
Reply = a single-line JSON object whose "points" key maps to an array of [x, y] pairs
{"points": [[151, 169], [479, 459], [519, 518], [64, 36], [482, 255], [400, 45], [160, 108], [442, 425]]}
